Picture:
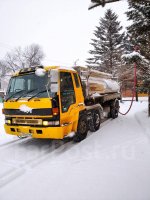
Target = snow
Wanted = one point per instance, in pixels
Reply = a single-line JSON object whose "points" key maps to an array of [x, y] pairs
{"points": [[134, 55], [96, 94], [131, 55], [67, 68], [71, 134], [40, 72], [112, 163], [113, 85], [25, 108], [109, 84]]}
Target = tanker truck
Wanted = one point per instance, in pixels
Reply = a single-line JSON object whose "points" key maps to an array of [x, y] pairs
{"points": [[57, 102]]}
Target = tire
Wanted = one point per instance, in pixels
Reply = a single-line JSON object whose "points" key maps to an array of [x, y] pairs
{"points": [[114, 109], [95, 121], [81, 130]]}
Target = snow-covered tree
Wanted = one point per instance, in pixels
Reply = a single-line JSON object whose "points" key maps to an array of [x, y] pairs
{"points": [[139, 30], [143, 72], [107, 45]]}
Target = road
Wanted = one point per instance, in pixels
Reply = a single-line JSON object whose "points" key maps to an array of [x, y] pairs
{"points": [[110, 164]]}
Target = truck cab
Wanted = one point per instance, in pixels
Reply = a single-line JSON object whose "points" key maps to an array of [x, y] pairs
{"points": [[57, 102], [43, 102]]}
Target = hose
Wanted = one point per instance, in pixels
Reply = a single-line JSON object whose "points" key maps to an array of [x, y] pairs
{"points": [[133, 94]]}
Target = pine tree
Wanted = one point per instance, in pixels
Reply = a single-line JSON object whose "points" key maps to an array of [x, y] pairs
{"points": [[139, 14], [107, 45]]}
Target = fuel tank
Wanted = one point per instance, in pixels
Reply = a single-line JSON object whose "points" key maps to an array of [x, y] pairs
{"points": [[96, 82]]}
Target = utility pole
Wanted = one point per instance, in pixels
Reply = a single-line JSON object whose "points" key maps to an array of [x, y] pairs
{"points": [[136, 48]]}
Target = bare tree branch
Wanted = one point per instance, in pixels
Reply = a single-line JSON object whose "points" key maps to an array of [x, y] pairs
{"points": [[23, 58]]}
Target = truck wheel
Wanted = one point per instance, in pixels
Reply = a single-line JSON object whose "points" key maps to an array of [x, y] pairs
{"points": [[95, 121], [81, 130], [115, 109]]}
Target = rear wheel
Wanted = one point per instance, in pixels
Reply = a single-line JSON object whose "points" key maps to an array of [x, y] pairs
{"points": [[114, 109], [81, 130], [95, 121]]}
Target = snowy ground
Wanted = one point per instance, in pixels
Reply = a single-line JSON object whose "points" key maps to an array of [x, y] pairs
{"points": [[111, 164]]}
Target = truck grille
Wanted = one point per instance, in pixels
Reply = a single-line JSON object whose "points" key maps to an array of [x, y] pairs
{"points": [[27, 121], [36, 112]]}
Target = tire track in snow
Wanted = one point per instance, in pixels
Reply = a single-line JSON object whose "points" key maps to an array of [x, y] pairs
{"points": [[21, 168], [12, 143]]}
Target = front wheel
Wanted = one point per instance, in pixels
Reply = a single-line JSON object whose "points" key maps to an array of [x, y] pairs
{"points": [[81, 130]]}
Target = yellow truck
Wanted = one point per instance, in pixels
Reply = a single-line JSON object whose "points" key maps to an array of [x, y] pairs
{"points": [[58, 102]]}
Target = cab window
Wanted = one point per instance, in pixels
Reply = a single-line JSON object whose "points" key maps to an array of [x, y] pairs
{"points": [[76, 80], [66, 91]]}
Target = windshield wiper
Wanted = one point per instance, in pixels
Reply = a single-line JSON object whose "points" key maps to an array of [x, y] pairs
{"points": [[14, 94], [26, 94], [37, 94]]}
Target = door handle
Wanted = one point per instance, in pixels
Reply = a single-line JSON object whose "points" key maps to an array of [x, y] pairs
{"points": [[81, 104], [75, 107]]}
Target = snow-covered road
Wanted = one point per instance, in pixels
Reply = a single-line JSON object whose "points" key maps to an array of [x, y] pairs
{"points": [[110, 164]]}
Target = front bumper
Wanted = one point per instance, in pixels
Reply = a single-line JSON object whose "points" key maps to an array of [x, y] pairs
{"points": [[39, 132]]}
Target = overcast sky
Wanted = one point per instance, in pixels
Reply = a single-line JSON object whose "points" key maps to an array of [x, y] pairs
{"points": [[63, 28]]}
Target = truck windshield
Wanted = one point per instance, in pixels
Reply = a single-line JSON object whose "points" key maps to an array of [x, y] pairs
{"points": [[27, 85]]}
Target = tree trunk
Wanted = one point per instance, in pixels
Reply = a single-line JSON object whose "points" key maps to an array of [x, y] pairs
{"points": [[136, 96]]}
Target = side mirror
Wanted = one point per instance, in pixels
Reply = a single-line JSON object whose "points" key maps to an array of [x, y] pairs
{"points": [[54, 87], [54, 75], [54, 80]]}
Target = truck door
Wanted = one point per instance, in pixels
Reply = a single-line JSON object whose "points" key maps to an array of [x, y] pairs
{"points": [[68, 99], [78, 91]]}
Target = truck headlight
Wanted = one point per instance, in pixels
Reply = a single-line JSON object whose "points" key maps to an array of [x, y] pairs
{"points": [[45, 123], [7, 121]]}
